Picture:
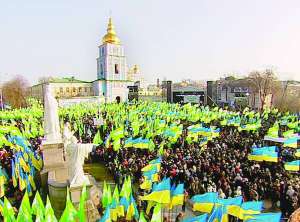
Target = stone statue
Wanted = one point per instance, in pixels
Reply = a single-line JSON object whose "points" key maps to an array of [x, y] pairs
{"points": [[51, 119], [75, 155]]}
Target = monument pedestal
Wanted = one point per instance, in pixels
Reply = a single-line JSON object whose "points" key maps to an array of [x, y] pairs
{"points": [[57, 189], [53, 156]]}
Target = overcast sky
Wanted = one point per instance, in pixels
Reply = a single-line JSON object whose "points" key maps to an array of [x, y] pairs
{"points": [[176, 39]]}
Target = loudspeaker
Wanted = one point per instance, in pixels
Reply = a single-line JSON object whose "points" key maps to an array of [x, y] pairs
{"points": [[209, 93], [169, 91], [133, 93]]}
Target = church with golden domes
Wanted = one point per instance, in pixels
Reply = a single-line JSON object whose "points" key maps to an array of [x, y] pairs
{"points": [[113, 75]]}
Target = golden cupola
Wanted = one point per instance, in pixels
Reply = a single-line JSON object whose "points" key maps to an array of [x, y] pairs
{"points": [[111, 36]]}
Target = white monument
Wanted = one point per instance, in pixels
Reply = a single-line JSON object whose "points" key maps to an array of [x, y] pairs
{"points": [[51, 119], [75, 155]]}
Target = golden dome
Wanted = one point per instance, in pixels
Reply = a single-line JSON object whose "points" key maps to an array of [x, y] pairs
{"points": [[111, 36]]}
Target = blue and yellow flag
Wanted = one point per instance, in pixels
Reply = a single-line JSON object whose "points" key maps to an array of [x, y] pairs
{"points": [[151, 175], [232, 205], [263, 154], [22, 182], [292, 166], [250, 207], [153, 164], [132, 210], [219, 214], [204, 202], [291, 142], [114, 210], [122, 207], [160, 193], [13, 173], [177, 196]]}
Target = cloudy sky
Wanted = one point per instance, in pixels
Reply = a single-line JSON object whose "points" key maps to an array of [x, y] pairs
{"points": [[175, 39]]}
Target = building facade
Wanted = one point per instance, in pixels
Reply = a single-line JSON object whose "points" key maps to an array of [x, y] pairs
{"points": [[63, 88]]}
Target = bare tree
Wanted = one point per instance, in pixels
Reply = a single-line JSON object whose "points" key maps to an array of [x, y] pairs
{"points": [[287, 97], [264, 83], [15, 92]]}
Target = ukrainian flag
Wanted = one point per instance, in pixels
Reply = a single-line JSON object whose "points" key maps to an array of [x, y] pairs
{"points": [[219, 214], [291, 142], [292, 166], [265, 148], [22, 183], [123, 205], [204, 202], [151, 175], [268, 217], [141, 143], [35, 161], [160, 193], [250, 207], [263, 154], [232, 205], [132, 210], [114, 210], [13, 173], [201, 218], [177, 196], [128, 142], [153, 164]]}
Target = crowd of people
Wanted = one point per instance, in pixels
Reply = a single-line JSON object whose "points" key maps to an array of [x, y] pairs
{"points": [[221, 165]]}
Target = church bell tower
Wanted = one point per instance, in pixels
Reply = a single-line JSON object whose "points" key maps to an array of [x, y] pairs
{"points": [[112, 67]]}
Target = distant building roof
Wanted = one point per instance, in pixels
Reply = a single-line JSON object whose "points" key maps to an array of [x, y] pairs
{"points": [[60, 80], [66, 80]]}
